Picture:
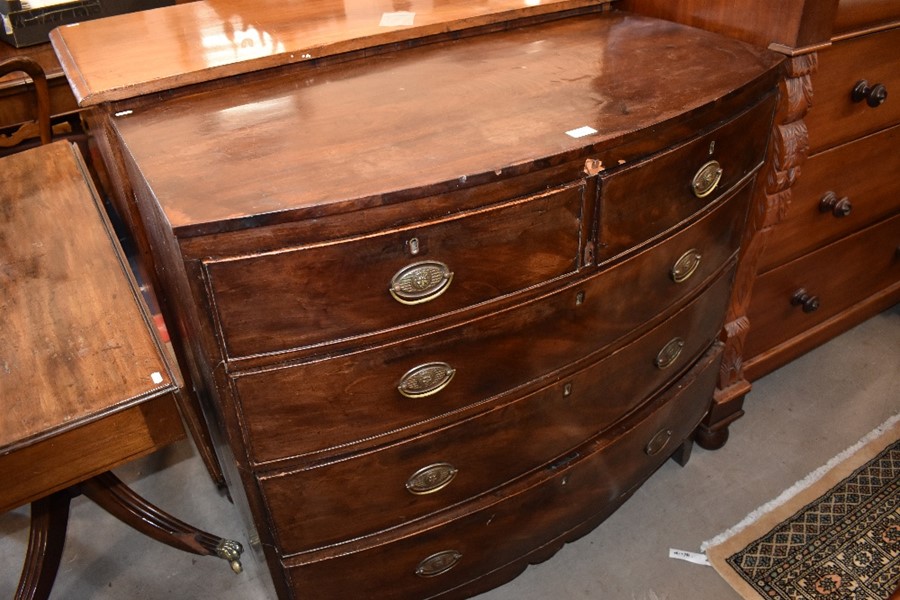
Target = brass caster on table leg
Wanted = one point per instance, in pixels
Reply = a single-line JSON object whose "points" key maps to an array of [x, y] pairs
{"points": [[231, 550]]}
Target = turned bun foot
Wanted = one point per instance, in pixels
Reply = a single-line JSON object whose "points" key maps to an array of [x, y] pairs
{"points": [[711, 439]]}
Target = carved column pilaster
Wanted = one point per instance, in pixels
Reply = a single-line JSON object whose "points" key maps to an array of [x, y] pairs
{"points": [[787, 151]]}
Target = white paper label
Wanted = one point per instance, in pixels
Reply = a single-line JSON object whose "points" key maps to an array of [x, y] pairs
{"points": [[691, 557], [33, 4], [397, 19], [155, 377], [581, 132]]}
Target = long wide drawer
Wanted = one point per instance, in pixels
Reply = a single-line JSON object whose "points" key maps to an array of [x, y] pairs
{"points": [[408, 480], [646, 199], [301, 408], [585, 484], [841, 191], [350, 287], [801, 294], [836, 116]]}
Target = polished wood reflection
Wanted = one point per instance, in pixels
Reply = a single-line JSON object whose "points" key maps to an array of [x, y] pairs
{"points": [[202, 41], [421, 125]]}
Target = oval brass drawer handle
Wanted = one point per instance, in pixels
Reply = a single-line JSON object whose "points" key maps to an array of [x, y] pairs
{"points": [[686, 265], [658, 442], [430, 479], [426, 380], [420, 282], [438, 563], [669, 353], [707, 179]]}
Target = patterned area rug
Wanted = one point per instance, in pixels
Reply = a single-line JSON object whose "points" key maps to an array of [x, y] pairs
{"points": [[835, 535]]}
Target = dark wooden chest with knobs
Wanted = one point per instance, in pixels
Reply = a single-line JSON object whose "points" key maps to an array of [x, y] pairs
{"points": [[821, 257]]}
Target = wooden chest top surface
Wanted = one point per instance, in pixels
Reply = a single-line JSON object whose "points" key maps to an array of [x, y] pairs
{"points": [[312, 140]]}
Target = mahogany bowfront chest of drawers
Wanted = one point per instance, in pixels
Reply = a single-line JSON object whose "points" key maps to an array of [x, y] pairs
{"points": [[451, 301]]}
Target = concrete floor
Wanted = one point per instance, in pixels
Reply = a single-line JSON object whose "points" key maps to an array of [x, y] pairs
{"points": [[797, 418]]}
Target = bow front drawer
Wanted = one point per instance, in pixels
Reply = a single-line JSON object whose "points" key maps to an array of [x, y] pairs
{"points": [[424, 474], [307, 295], [488, 534], [309, 406], [641, 201]]}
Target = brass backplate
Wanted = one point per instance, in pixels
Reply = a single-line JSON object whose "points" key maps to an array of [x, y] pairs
{"points": [[420, 282], [707, 179]]}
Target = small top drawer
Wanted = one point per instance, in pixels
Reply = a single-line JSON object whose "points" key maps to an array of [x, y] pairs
{"points": [[857, 89], [343, 288], [856, 14], [650, 197]]}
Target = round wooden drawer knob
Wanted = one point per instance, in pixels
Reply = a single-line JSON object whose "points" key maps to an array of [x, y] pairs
{"points": [[804, 299], [839, 207], [874, 95]]}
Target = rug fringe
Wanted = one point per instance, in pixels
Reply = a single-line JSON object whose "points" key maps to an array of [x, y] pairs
{"points": [[799, 486]]}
